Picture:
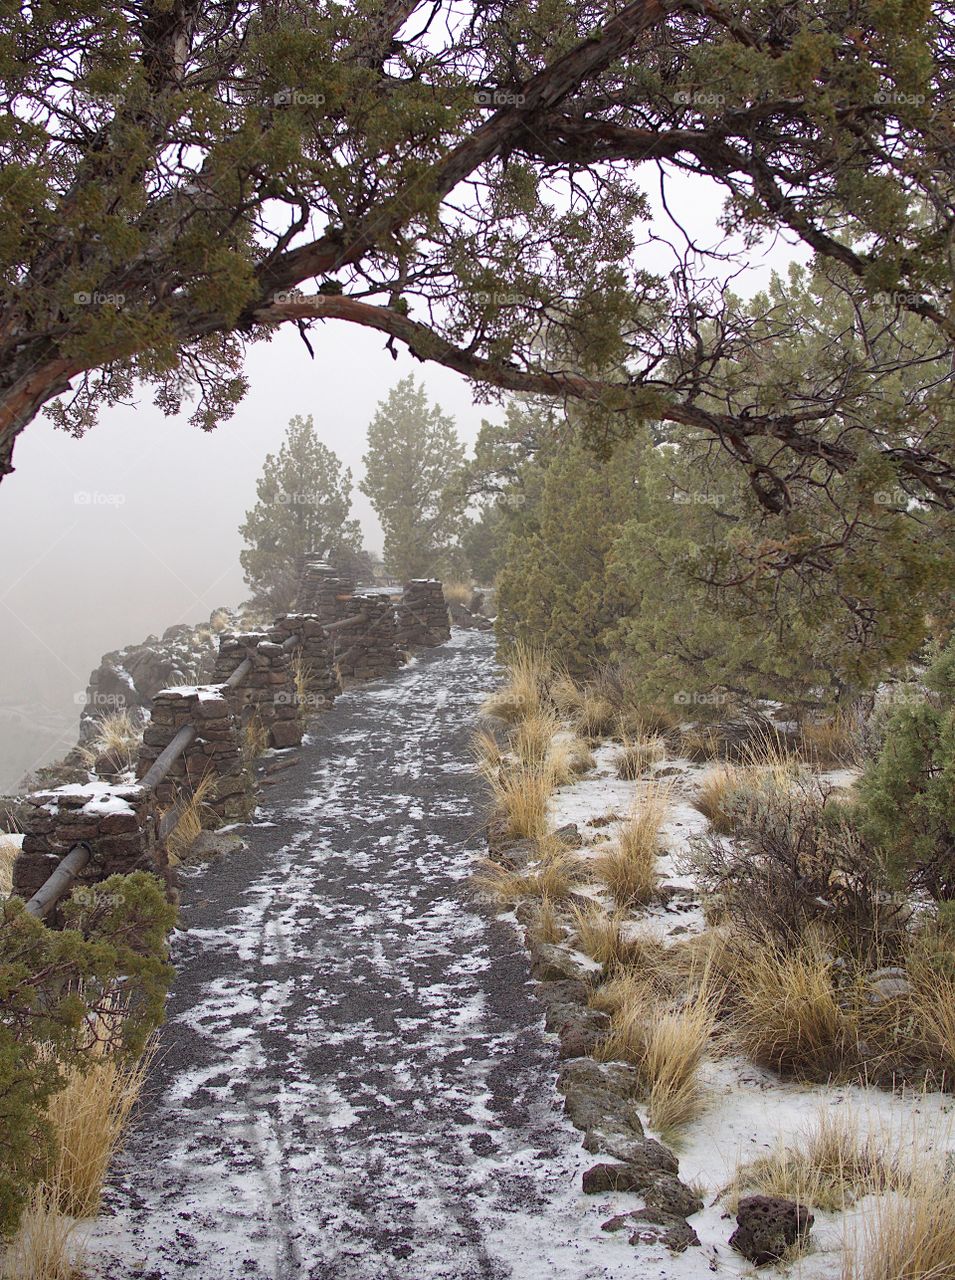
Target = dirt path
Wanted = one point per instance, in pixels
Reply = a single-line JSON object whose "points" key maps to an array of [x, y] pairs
{"points": [[353, 1080]]}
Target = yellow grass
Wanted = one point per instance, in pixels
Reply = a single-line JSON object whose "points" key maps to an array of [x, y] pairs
{"points": [[908, 1234], [195, 815], [600, 935], [628, 868], [834, 741], [569, 758], [522, 694], [565, 694], [933, 1015], [8, 853], [595, 715], [520, 801], [636, 755], [532, 739], [458, 593], [302, 675], [89, 1116], [787, 1015], [726, 790], [551, 879], [828, 1166], [546, 924], [117, 737], [255, 738], [667, 1046], [700, 742], [718, 797], [44, 1247]]}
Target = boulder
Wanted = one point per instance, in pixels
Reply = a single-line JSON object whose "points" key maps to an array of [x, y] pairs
{"points": [[667, 1194], [767, 1226], [618, 1077]]}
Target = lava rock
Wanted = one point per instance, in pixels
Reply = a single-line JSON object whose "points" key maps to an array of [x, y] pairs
{"points": [[767, 1226], [647, 1162], [650, 1226], [617, 1077], [550, 963], [667, 1194]]}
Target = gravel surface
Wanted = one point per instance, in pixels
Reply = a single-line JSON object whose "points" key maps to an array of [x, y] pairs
{"points": [[353, 1081]]}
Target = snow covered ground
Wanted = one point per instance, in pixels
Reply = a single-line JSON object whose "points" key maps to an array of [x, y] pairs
{"points": [[749, 1110]]}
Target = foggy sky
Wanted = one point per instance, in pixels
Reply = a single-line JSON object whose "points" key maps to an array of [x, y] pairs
{"points": [[134, 527]]}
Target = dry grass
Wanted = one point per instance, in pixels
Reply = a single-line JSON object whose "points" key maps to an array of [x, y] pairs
{"points": [[89, 1116], [907, 1235], [522, 694], [647, 720], [569, 758], [700, 742], [726, 790], [565, 694], [551, 879], [546, 924], [520, 801], [195, 815], [458, 593], [932, 1006], [667, 1046], [600, 935], [636, 755], [255, 738], [595, 715], [834, 742], [45, 1246], [9, 848], [532, 740], [629, 867], [828, 1167], [302, 676], [718, 797], [117, 738], [787, 1015], [487, 752]]}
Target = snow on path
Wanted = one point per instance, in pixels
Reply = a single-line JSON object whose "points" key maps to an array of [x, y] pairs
{"points": [[353, 1082]]}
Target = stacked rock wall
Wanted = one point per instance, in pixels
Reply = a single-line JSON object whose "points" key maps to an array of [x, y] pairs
{"points": [[216, 751], [118, 822], [324, 592], [268, 690], [316, 650], [422, 615], [371, 650]]}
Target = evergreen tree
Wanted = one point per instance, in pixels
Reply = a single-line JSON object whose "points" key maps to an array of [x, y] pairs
{"points": [[304, 497], [412, 476]]}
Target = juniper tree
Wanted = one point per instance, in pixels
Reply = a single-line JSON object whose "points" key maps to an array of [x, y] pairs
{"points": [[413, 462], [304, 497], [180, 178]]}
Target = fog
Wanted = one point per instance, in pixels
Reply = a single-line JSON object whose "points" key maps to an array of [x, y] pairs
{"points": [[134, 527]]}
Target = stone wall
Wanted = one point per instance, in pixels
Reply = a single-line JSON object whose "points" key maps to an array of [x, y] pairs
{"points": [[422, 615], [216, 751], [268, 691], [316, 650], [369, 651], [118, 822], [121, 822]]}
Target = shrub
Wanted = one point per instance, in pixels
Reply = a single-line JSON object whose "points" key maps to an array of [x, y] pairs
{"points": [[908, 794], [797, 859], [53, 986], [458, 593]]}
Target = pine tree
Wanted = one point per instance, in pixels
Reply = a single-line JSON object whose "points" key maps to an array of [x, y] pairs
{"points": [[304, 497]]}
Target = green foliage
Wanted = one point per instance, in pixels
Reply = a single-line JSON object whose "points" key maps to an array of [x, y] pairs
{"points": [[907, 796], [413, 473], [304, 498], [52, 983]]}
